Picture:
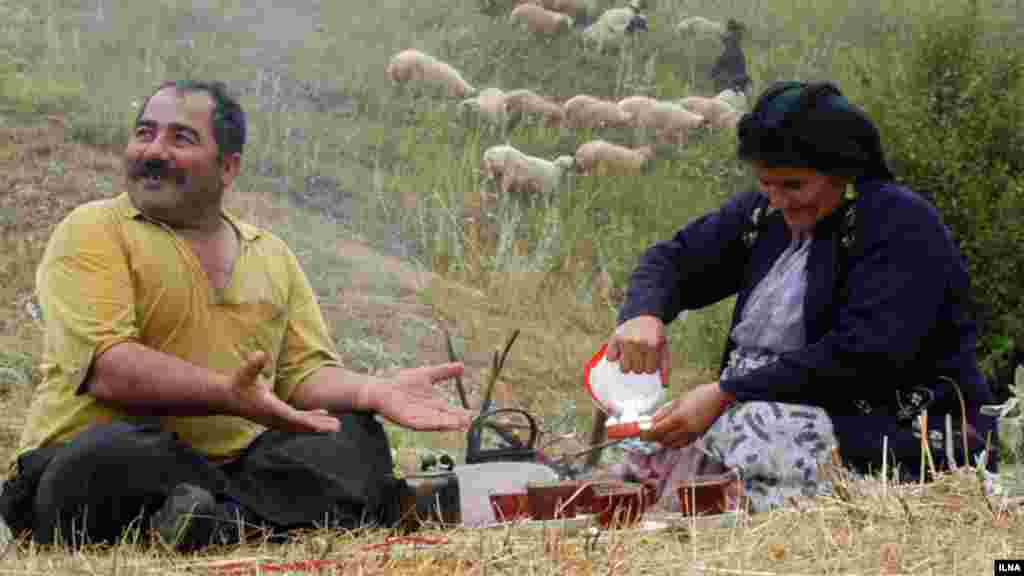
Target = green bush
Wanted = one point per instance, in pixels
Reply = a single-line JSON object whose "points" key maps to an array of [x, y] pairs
{"points": [[1011, 421], [951, 116]]}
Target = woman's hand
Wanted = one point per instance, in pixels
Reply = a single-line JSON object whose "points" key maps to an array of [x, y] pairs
{"points": [[640, 346], [686, 419]]}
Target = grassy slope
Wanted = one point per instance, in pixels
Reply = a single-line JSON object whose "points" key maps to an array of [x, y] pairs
{"points": [[337, 158]]}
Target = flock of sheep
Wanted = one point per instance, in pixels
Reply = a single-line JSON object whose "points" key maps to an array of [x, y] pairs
{"points": [[550, 17], [512, 171]]}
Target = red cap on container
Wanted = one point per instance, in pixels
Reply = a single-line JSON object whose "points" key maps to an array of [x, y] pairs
{"points": [[629, 429]]}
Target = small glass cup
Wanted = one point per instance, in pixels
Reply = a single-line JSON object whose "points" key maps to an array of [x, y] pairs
{"points": [[510, 507], [713, 494], [621, 504], [550, 500]]}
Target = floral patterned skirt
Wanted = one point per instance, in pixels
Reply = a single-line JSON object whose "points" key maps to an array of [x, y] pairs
{"points": [[775, 449]]}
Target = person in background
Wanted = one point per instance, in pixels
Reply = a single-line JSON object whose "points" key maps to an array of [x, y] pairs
{"points": [[730, 69]]}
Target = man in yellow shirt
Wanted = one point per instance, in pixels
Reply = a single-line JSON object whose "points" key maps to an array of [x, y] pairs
{"points": [[187, 366]]}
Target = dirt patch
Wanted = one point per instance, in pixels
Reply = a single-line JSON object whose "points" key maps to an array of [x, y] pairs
{"points": [[43, 177]]}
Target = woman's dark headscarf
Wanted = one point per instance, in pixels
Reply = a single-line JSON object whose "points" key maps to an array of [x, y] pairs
{"points": [[798, 125]]}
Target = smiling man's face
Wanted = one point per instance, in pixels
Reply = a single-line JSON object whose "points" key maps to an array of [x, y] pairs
{"points": [[173, 172]]}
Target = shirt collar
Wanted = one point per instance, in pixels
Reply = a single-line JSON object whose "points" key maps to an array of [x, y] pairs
{"points": [[247, 231]]}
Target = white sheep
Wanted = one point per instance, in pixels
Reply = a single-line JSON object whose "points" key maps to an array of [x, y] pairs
{"points": [[699, 26], [729, 120], [415, 66], [574, 8], [492, 165], [496, 7], [544, 176], [525, 102], [585, 111], [601, 158], [735, 98], [489, 103], [717, 112], [637, 106], [513, 171], [668, 121], [612, 27], [674, 123], [538, 20]]}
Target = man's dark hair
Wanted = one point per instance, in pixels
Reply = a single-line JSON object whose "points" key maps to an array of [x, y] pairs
{"points": [[227, 117]]}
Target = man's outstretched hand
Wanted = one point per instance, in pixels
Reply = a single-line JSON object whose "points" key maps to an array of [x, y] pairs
{"points": [[254, 400], [411, 400]]}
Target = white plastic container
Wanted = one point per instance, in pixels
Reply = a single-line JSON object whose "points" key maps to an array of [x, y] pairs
{"points": [[628, 399]]}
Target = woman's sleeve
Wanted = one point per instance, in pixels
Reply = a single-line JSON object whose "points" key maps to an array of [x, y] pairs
{"points": [[703, 263], [895, 289]]}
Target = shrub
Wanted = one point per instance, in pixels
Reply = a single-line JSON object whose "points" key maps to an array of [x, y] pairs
{"points": [[953, 127], [1011, 421]]}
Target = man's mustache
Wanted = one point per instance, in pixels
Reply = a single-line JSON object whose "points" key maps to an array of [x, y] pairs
{"points": [[154, 169]]}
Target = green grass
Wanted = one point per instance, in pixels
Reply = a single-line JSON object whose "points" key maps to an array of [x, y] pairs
{"points": [[16, 369], [383, 146]]}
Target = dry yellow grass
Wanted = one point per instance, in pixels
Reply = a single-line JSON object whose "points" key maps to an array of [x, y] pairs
{"points": [[946, 527]]}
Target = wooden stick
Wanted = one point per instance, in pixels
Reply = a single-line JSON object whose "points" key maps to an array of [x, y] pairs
{"points": [[598, 435], [497, 363], [458, 379], [485, 404], [508, 346], [885, 465], [950, 454], [922, 422], [508, 426], [556, 440], [590, 450], [926, 449], [963, 420]]}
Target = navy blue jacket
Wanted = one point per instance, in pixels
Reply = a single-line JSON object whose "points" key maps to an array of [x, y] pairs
{"points": [[900, 318]]}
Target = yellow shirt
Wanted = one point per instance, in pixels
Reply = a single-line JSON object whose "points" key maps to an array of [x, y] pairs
{"points": [[110, 275]]}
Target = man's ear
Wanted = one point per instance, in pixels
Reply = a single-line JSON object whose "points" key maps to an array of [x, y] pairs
{"points": [[230, 166]]}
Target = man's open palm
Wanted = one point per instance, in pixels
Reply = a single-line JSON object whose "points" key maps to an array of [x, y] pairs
{"points": [[410, 399]]}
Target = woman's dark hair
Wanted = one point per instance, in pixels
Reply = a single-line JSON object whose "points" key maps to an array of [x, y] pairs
{"points": [[800, 125], [227, 117]]}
